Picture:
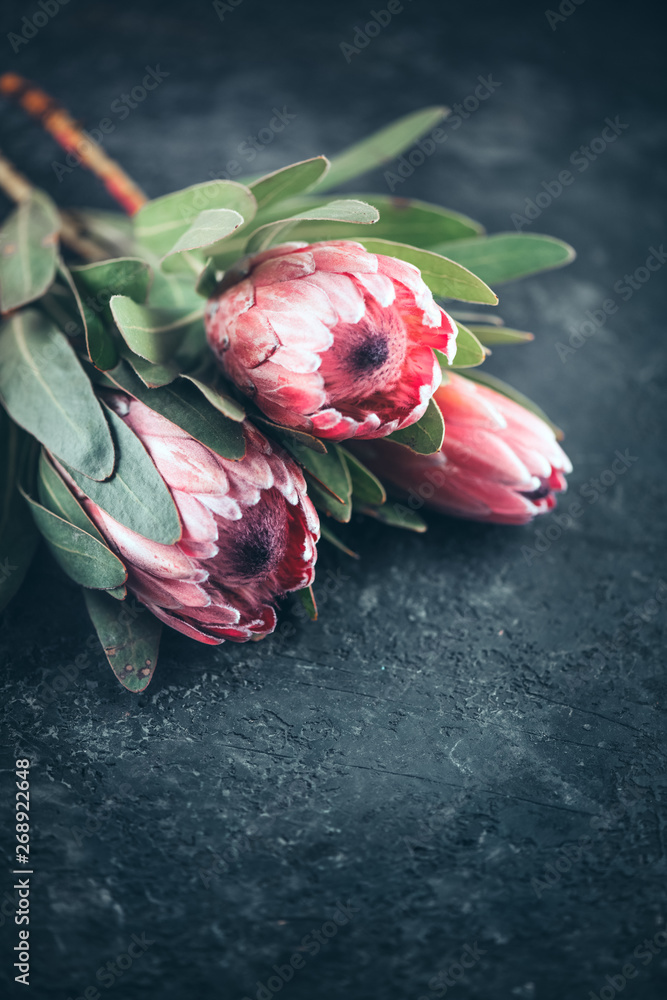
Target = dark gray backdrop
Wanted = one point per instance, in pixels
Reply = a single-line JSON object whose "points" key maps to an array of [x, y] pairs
{"points": [[466, 750]]}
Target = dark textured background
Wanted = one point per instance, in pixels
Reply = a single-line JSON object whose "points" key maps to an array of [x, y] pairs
{"points": [[461, 715]]}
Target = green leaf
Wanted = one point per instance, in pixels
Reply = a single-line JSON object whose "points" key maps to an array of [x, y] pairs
{"points": [[18, 534], [469, 351], [128, 276], [160, 223], [225, 404], [208, 229], [426, 436], [348, 210], [136, 495], [476, 317], [329, 536], [100, 343], [444, 277], [130, 637], [282, 432], [290, 181], [172, 291], [396, 515], [154, 334], [55, 495], [46, 391], [183, 403], [111, 229], [328, 477], [28, 251], [506, 256], [507, 390], [500, 335], [307, 598], [207, 280], [382, 146], [404, 219], [85, 559], [151, 375], [366, 488]]}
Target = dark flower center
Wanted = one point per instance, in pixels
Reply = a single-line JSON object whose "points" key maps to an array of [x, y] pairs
{"points": [[370, 354], [254, 555]]}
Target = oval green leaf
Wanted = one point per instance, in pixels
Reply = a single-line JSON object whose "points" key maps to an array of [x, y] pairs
{"points": [[469, 351], [396, 515], [507, 256], [46, 391], [161, 222], [154, 334], [290, 181], [445, 278], [426, 436], [28, 251], [18, 533], [184, 404], [136, 495], [366, 488], [493, 335], [345, 210], [130, 637], [382, 146], [97, 328], [405, 219], [225, 404], [328, 477], [208, 229], [55, 495], [85, 559]]}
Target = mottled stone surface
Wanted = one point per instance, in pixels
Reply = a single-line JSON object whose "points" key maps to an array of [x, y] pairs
{"points": [[463, 713]]}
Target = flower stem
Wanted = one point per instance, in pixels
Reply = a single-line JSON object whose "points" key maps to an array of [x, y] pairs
{"points": [[67, 133], [18, 188]]}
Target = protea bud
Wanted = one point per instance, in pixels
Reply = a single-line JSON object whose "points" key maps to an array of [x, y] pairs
{"points": [[249, 532], [332, 339], [499, 462]]}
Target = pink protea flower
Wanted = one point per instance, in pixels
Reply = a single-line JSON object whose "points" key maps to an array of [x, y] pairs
{"points": [[249, 532], [332, 339], [498, 462]]}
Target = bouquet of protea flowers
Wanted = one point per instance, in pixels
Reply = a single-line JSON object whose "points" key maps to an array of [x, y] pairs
{"points": [[193, 395]]}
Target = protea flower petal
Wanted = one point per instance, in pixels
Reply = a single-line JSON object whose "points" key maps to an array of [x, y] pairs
{"points": [[332, 339], [249, 532], [498, 461]]}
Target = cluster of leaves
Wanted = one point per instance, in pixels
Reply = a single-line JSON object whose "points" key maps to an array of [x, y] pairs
{"points": [[134, 321]]}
